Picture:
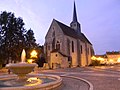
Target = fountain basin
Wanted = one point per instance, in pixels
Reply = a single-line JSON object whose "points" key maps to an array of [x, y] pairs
{"points": [[45, 82], [21, 69], [22, 80]]}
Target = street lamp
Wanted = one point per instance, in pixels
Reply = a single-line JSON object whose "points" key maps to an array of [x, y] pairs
{"points": [[33, 56]]}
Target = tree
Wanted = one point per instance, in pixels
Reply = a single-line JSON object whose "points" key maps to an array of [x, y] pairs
{"points": [[41, 57], [14, 37], [30, 39]]}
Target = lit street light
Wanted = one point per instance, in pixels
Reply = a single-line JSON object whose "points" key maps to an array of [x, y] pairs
{"points": [[33, 56]]}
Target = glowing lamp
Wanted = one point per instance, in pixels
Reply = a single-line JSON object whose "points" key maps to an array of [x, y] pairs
{"points": [[33, 54]]}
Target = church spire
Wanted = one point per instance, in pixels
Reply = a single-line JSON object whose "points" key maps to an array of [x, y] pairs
{"points": [[75, 24], [74, 14]]}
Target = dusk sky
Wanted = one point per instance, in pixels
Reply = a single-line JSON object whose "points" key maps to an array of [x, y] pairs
{"points": [[99, 19]]}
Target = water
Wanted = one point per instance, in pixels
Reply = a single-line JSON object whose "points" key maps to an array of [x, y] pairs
{"points": [[23, 56], [32, 81]]}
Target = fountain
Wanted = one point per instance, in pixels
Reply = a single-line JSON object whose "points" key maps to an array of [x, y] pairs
{"points": [[22, 68], [23, 80]]}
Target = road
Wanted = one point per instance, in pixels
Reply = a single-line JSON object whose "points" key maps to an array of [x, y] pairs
{"points": [[102, 78]]}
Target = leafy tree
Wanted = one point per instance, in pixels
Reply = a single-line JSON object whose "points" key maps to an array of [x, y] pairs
{"points": [[13, 36], [41, 57], [30, 42], [30, 39], [11, 33], [95, 63]]}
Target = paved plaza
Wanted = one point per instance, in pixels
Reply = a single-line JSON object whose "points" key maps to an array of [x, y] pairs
{"points": [[85, 78]]}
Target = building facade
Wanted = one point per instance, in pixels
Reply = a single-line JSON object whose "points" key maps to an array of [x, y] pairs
{"points": [[67, 44], [109, 58], [113, 57]]}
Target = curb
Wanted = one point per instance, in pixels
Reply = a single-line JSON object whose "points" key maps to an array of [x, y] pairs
{"points": [[90, 84], [44, 86]]}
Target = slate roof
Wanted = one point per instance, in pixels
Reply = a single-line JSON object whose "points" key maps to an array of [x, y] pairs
{"points": [[56, 50], [71, 32]]}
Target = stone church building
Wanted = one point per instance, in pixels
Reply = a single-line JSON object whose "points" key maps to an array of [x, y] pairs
{"points": [[66, 46]]}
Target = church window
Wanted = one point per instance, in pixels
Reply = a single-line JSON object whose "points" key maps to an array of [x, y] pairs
{"points": [[68, 46], [48, 47], [53, 44], [57, 41], [72, 46], [91, 51], [81, 49], [58, 45], [88, 50], [53, 35], [74, 24], [56, 55]]}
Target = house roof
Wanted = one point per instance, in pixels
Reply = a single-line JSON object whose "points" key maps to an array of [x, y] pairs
{"points": [[103, 56], [113, 53], [56, 50], [71, 32]]}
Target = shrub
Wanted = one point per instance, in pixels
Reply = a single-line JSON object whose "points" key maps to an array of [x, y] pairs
{"points": [[95, 63]]}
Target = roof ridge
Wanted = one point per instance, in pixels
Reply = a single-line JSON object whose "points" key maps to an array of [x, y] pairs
{"points": [[63, 24], [71, 32]]}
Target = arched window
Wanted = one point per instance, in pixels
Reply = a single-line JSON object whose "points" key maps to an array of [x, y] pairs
{"points": [[58, 45], [81, 49], [68, 46], [88, 50], [53, 44], [72, 46], [53, 34]]}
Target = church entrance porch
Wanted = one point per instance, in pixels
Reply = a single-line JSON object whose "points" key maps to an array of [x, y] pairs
{"points": [[58, 60]]}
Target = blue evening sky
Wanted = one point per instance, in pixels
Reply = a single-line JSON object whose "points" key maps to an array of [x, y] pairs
{"points": [[100, 19]]}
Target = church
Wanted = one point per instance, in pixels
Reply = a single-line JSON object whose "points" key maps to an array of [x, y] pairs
{"points": [[66, 46]]}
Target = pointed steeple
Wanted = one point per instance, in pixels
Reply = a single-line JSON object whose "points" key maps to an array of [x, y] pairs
{"points": [[74, 14], [75, 24]]}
